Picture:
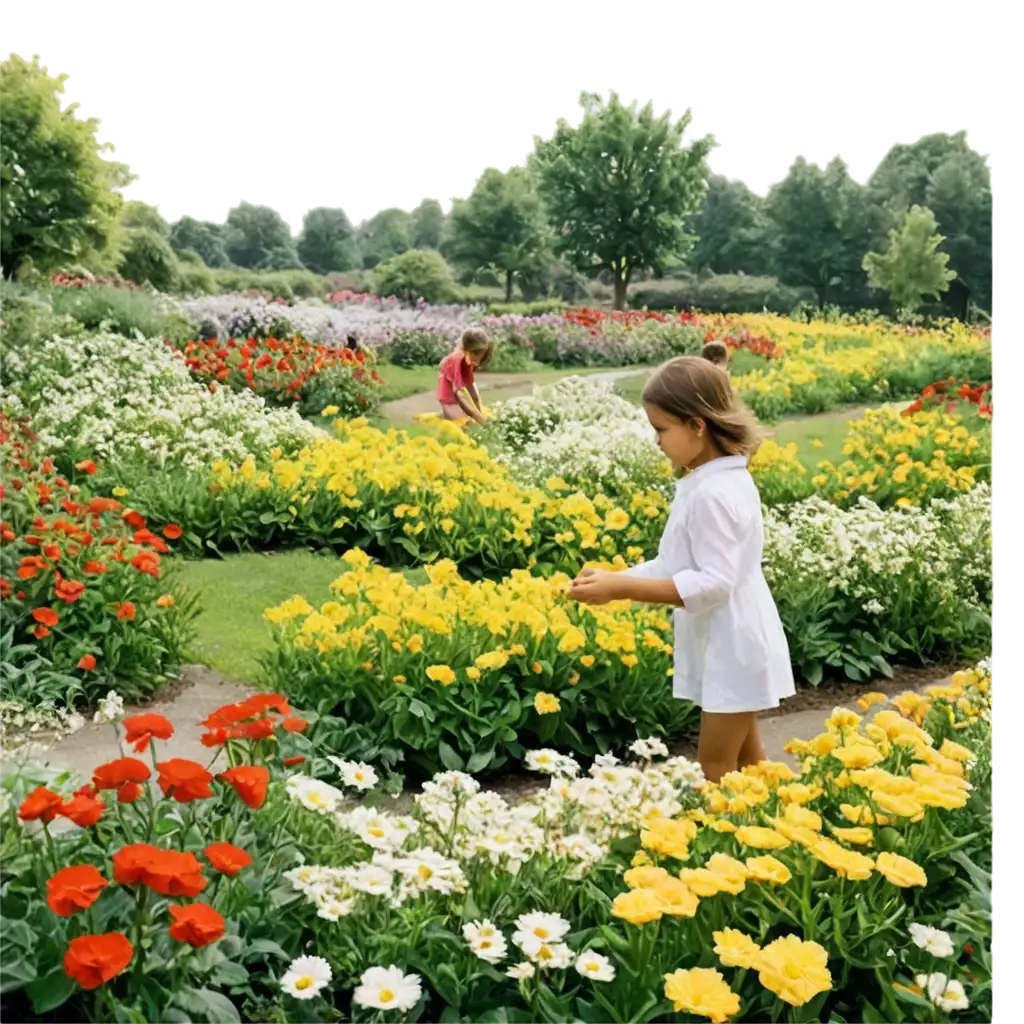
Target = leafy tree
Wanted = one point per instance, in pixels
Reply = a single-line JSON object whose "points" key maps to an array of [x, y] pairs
{"points": [[501, 226], [943, 173], [619, 187], [428, 225], [911, 267], [416, 274], [258, 238], [147, 258], [202, 237], [328, 242], [384, 235], [57, 198], [817, 219], [731, 230], [136, 214]]}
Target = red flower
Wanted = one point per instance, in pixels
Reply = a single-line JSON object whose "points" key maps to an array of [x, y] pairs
{"points": [[167, 872], [148, 563], [250, 782], [88, 466], [126, 611], [98, 505], [52, 551], [171, 531], [124, 775], [69, 590], [133, 519], [41, 803], [198, 924], [260, 702], [87, 662], [31, 565], [84, 808], [150, 538], [140, 729], [295, 724], [74, 888], [226, 858], [184, 780], [97, 567], [288, 762], [92, 960], [258, 730], [40, 631], [46, 616]]}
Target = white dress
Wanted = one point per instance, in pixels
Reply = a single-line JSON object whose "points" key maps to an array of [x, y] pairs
{"points": [[731, 653]]}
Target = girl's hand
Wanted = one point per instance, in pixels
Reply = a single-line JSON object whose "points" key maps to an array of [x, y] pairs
{"points": [[593, 586]]}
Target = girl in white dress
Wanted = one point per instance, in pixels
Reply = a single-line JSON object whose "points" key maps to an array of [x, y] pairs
{"points": [[731, 655]]}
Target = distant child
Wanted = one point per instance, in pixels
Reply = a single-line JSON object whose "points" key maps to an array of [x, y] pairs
{"points": [[731, 655], [716, 352], [456, 390]]}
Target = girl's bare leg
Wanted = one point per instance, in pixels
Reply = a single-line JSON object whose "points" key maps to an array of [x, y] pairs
{"points": [[751, 752], [452, 412], [722, 738]]}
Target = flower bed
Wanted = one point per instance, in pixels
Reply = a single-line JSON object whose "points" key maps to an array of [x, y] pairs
{"points": [[290, 371], [464, 676], [110, 396], [83, 585]]}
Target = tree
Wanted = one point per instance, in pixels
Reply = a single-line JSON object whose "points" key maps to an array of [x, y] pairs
{"points": [[618, 188], [147, 258], [202, 237], [136, 214], [501, 226], [416, 274], [818, 222], [258, 238], [328, 242], [911, 267], [428, 225], [57, 198], [385, 234], [731, 230], [942, 172]]}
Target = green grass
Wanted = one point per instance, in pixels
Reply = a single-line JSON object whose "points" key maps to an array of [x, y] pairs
{"points": [[403, 381], [829, 428]]}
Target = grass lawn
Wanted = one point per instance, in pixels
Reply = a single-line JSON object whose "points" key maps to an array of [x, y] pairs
{"points": [[828, 427]]}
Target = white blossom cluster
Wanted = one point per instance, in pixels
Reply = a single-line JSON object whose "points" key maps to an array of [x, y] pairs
{"points": [[117, 397]]}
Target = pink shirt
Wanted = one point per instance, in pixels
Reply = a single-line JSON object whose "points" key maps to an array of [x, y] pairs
{"points": [[456, 374]]}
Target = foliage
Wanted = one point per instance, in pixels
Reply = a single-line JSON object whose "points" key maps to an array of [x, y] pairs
{"points": [[718, 293], [127, 311], [731, 231], [194, 276], [258, 238], [910, 268], [58, 201], [147, 258], [418, 348], [384, 235], [429, 225], [500, 226], [328, 242], [418, 274], [136, 214], [202, 237], [610, 209]]}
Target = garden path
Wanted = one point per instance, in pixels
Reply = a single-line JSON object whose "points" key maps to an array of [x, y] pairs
{"points": [[494, 387], [201, 690]]}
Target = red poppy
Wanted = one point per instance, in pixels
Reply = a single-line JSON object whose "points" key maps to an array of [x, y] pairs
{"points": [[229, 714], [260, 702], [288, 762], [98, 505], [250, 782], [42, 804], [47, 616], [84, 808], [258, 730], [295, 724], [52, 551], [124, 775], [74, 888], [133, 519], [96, 567], [31, 565], [184, 780], [227, 858], [198, 924], [150, 538], [87, 662], [126, 611], [69, 590], [167, 872], [87, 466], [171, 531], [140, 729], [92, 960], [148, 563]]}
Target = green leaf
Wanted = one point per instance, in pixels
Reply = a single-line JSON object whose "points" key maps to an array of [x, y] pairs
{"points": [[228, 974], [449, 758], [479, 761], [49, 992], [217, 1007]]}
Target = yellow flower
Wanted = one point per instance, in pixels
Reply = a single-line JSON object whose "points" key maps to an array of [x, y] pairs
{"points": [[473, 673], [761, 838], [845, 863], [120, 492], [734, 873], [331, 410], [587, 661], [572, 640], [703, 882], [956, 751], [617, 519], [678, 898], [799, 793], [415, 644], [796, 971], [493, 659], [669, 837], [646, 876], [441, 674], [901, 805], [640, 859], [768, 869], [842, 719], [900, 871], [858, 755], [865, 702], [638, 906], [735, 949], [703, 992], [802, 817], [398, 679], [858, 836], [356, 559], [546, 703]]}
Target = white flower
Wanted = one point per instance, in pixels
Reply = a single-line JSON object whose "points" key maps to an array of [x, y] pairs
{"points": [[945, 993], [387, 988], [649, 749], [355, 773], [545, 761], [490, 946], [605, 761], [370, 878], [932, 940], [595, 966], [874, 607], [318, 796], [110, 708], [522, 972], [537, 925], [548, 954], [375, 828], [424, 869], [306, 976]]}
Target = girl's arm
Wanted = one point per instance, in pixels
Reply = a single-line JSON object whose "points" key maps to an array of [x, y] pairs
{"points": [[475, 395], [465, 400]]}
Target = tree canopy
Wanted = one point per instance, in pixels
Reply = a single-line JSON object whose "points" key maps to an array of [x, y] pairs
{"points": [[328, 241]]}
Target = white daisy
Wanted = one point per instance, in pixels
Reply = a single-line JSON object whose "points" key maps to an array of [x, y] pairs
{"points": [[354, 773], [491, 948], [318, 796], [522, 972], [370, 878], [595, 966], [945, 993], [387, 988], [548, 954], [649, 749], [932, 940], [306, 976], [545, 927]]}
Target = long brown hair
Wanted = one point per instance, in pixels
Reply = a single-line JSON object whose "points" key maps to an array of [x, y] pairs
{"points": [[476, 340], [691, 388]]}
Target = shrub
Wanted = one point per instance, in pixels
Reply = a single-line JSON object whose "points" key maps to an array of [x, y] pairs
{"points": [[721, 293], [147, 258], [415, 275], [418, 347], [194, 276], [128, 312], [538, 308]]}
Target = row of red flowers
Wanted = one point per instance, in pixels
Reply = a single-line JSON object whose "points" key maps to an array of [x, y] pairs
{"points": [[950, 393]]}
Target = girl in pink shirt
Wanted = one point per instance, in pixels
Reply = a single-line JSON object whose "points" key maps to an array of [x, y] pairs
{"points": [[456, 390]]}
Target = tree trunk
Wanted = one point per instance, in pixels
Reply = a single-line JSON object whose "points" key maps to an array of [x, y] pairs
{"points": [[620, 289], [508, 286]]}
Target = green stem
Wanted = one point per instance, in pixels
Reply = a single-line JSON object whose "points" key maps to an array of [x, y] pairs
{"points": [[140, 915]]}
